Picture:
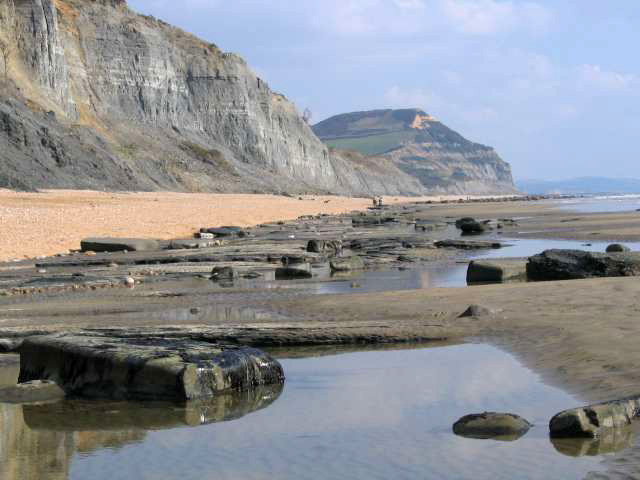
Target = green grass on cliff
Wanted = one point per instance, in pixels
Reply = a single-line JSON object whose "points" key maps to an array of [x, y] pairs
{"points": [[374, 144]]}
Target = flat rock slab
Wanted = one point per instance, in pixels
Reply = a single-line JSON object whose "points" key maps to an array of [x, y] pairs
{"points": [[144, 368], [594, 420], [467, 244], [578, 264], [497, 271], [108, 244]]}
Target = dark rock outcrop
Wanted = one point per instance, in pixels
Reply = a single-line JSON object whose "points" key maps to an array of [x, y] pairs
{"points": [[577, 264], [498, 426], [594, 420], [144, 368], [497, 271], [119, 244], [617, 248]]}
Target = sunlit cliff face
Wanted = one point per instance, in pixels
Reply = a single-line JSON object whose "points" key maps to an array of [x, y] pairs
{"points": [[421, 122]]}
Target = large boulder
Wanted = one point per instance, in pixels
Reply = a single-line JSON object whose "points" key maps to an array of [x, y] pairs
{"points": [[576, 264], [144, 368], [617, 248], [471, 227], [497, 271], [594, 420], [108, 244], [499, 426]]}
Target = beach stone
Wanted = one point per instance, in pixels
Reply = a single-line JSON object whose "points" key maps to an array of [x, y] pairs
{"points": [[467, 244], [346, 264], [476, 311], [577, 264], [223, 274], [594, 420], [330, 248], [617, 247], [497, 271], [487, 425], [294, 271], [108, 244], [149, 368], [33, 391]]}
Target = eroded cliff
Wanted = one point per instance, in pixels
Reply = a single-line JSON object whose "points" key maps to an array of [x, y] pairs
{"points": [[422, 147], [97, 96]]}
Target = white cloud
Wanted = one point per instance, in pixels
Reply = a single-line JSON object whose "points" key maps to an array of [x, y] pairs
{"points": [[483, 17], [596, 76], [396, 97]]}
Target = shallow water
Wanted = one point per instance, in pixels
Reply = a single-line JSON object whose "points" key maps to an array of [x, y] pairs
{"points": [[377, 414], [432, 275], [601, 204]]}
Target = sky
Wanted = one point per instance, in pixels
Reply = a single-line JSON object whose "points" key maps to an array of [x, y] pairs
{"points": [[553, 86]]}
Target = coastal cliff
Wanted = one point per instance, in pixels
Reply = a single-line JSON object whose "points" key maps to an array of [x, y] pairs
{"points": [[422, 147], [96, 96]]}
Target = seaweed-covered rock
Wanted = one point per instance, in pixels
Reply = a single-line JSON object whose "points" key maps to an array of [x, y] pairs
{"points": [[576, 264], [499, 426], [144, 368]]}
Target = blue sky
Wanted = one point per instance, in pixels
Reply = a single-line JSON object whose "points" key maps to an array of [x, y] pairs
{"points": [[554, 86]]}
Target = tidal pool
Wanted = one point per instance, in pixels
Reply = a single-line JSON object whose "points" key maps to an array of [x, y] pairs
{"points": [[362, 415]]}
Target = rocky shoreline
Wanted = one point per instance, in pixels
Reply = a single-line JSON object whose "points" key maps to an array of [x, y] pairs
{"points": [[556, 328]]}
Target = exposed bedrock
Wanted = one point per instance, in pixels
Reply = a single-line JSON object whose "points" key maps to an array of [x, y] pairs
{"points": [[144, 368], [497, 271], [101, 97], [594, 420], [577, 264]]}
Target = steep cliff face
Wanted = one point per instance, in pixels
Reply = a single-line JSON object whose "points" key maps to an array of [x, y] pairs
{"points": [[100, 97], [422, 147]]}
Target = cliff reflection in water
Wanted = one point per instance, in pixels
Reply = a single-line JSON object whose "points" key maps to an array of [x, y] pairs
{"points": [[38, 441]]}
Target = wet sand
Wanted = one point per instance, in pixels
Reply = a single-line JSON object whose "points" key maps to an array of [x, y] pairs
{"points": [[54, 221]]}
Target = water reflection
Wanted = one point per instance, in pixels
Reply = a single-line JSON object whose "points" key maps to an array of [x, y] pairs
{"points": [[611, 441], [376, 414]]}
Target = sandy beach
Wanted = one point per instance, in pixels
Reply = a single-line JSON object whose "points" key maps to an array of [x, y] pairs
{"points": [[54, 221]]}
